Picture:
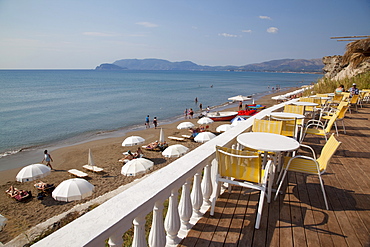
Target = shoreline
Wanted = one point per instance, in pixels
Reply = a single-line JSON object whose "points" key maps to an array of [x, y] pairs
{"points": [[17, 159], [106, 152]]}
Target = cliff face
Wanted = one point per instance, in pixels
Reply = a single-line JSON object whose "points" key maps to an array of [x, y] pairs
{"points": [[355, 61], [334, 68]]}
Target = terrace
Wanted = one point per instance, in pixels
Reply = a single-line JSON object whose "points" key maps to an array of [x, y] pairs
{"points": [[297, 217]]}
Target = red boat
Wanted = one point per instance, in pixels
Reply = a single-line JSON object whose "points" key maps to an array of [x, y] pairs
{"points": [[222, 115]]}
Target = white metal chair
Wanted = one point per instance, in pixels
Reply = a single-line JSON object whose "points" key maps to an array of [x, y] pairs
{"points": [[311, 165], [242, 168]]}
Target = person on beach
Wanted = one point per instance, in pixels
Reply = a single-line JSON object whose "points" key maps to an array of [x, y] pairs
{"points": [[208, 109], [191, 113], [147, 125], [240, 105], [139, 153], [339, 89], [201, 106], [196, 100], [47, 158], [155, 122], [186, 113]]}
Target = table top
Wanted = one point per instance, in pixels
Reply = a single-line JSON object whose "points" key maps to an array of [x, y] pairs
{"points": [[305, 103], [287, 115], [267, 142]]}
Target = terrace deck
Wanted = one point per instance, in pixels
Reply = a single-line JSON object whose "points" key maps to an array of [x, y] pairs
{"points": [[298, 217]]}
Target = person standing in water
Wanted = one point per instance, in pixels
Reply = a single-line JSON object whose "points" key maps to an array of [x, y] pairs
{"points": [[47, 158]]}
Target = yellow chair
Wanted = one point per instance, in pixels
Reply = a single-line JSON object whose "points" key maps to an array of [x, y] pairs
{"points": [[345, 95], [297, 109], [316, 127], [353, 102], [241, 168], [337, 98], [268, 126], [309, 165], [341, 110]]}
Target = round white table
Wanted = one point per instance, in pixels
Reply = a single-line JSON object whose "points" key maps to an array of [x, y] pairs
{"points": [[268, 142], [287, 115], [305, 103]]}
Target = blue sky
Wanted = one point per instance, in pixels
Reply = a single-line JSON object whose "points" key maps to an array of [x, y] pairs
{"points": [[44, 34]]}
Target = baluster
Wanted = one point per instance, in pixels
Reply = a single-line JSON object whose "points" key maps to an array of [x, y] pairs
{"points": [[172, 220], [207, 185], [157, 235], [196, 194], [139, 232], [116, 239], [185, 207]]}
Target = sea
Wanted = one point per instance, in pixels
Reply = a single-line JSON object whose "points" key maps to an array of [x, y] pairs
{"points": [[48, 109]]}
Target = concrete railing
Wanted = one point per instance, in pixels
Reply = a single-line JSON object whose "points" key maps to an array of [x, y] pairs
{"points": [[192, 173]]}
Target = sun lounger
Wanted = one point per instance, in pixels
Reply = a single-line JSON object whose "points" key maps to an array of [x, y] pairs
{"points": [[176, 138], [187, 136], [77, 173], [93, 168]]}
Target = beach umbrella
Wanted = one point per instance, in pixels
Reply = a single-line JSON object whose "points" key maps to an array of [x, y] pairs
{"points": [[175, 151], [3, 221], [205, 120], [161, 136], [185, 125], [33, 172], [204, 137], [136, 166], [132, 141], [239, 98], [72, 190], [224, 127], [237, 120]]}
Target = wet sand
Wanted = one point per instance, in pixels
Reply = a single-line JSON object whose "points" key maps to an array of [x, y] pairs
{"points": [[106, 152]]}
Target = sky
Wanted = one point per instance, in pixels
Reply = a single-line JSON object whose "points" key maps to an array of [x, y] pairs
{"points": [[70, 34]]}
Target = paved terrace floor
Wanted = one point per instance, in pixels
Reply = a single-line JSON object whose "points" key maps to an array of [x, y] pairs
{"points": [[298, 217]]}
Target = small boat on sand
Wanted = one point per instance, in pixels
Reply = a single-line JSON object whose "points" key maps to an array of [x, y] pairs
{"points": [[222, 115]]}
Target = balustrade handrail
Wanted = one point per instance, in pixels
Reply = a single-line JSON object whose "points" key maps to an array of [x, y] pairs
{"points": [[118, 213]]}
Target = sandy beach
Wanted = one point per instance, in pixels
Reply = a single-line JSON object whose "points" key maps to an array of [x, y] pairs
{"points": [[106, 153]]}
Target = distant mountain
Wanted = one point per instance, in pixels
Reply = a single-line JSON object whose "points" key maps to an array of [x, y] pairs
{"points": [[109, 66], [288, 65], [282, 65]]}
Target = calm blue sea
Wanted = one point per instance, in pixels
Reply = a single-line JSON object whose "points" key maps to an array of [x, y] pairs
{"points": [[41, 107]]}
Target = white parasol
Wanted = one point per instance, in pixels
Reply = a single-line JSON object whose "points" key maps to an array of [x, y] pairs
{"points": [[132, 141], [185, 125], [136, 166], [204, 137], [161, 136], [224, 127], [73, 189], [33, 172], [175, 151], [3, 221], [205, 120], [239, 98], [237, 120]]}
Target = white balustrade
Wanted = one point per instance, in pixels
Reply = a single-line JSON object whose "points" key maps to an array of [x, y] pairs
{"points": [[113, 218]]}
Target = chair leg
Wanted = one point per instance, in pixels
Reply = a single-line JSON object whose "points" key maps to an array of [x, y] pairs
{"points": [[281, 183], [336, 127], [344, 128], [323, 192], [260, 207]]}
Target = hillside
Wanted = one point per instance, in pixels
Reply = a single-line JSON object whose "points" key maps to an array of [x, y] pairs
{"points": [[283, 65]]}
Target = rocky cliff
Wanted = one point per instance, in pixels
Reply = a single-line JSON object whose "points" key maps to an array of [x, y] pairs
{"points": [[355, 61]]}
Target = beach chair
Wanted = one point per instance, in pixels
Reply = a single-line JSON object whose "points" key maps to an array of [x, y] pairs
{"points": [[77, 173], [353, 102], [310, 165], [341, 111], [93, 168], [269, 126], [241, 168], [317, 127], [176, 138]]}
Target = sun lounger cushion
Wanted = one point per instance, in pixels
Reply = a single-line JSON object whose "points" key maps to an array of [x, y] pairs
{"points": [[176, 138], [77, 173], [93, 168]]}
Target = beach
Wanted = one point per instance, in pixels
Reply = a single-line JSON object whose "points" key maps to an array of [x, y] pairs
{"points": [[106, 153]]}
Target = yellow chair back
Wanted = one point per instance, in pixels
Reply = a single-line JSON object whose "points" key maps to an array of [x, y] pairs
{"points": [[331, 122], [354, 99], [327, 152], [298, 109], [244, 165], [268, 126]]}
